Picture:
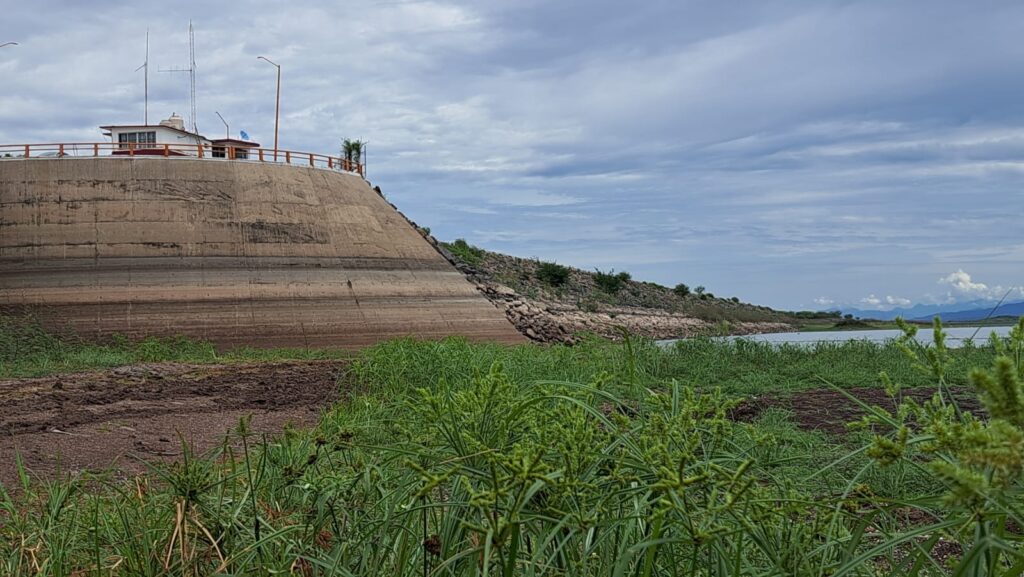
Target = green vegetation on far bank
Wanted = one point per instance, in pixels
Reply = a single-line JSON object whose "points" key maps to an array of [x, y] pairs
{"points": [[599, 459], [845, 324]]}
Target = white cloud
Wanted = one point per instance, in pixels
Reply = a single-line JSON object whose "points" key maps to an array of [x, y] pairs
{"points": [[963, 287], [824, 301], [961, 282], [884, 303], [534, 198], [473, 209], [871, 300]]}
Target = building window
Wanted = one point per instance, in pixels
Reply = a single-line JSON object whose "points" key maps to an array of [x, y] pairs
{"points": [[125, 139]]}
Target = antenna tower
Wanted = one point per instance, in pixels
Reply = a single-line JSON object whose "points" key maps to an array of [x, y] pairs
{"points": [[145, 65], [191, 70], [192, 73]]}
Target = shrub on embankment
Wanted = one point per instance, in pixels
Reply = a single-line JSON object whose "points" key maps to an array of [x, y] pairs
{"points": [[461, 459]]}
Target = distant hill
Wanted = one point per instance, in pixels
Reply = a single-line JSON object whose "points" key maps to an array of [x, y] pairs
{"points": [[966, 311], [977, 314]]}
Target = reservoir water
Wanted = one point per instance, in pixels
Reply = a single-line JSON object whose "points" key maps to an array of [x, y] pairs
{"points": [[955, 336]]}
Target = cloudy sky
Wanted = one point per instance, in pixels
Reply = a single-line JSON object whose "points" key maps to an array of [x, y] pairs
{"points": [[794, 154]]}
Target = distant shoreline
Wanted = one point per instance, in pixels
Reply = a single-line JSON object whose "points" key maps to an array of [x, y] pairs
{"points": [[872, 324]]}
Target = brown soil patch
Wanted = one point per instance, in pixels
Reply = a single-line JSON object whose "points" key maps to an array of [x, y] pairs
{"points": [[122, 417], [829, 411]]}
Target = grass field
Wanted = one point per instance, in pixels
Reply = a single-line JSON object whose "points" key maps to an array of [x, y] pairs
{"points": [[26, 350], [451, 458]]}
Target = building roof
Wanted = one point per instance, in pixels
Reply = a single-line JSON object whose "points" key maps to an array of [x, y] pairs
{"points": [[236, 142], [147, 126]]}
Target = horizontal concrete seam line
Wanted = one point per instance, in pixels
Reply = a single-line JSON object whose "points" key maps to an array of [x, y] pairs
{"points": [[397, 301], [211, 262]]}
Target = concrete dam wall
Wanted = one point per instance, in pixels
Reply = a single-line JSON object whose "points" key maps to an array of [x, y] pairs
{"points": [[239, 253]]}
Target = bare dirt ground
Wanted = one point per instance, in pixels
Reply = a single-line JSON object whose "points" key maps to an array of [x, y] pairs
{"points": [[121, 418], [829, 411]]}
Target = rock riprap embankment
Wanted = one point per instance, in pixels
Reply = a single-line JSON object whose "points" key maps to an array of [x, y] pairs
{"points": [[563, 315], [559, 322]]}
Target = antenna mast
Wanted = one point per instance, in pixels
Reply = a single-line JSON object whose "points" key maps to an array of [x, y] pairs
{"points": [[145, 65], [191, 75]]}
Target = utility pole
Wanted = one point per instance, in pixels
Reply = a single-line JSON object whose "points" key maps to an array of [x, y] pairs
{"points": [[277, 105]]}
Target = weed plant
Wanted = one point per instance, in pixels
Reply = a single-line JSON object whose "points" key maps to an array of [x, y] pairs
{"points": [[465, 252]]}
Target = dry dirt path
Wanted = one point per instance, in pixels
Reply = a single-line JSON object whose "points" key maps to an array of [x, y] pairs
{"points": [[121, 417]]}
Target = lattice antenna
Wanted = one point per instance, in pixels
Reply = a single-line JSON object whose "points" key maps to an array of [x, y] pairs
{"points": [[191, 70]]}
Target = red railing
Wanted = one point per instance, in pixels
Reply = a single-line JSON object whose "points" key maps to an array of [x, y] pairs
{"points": [[191, 150]]}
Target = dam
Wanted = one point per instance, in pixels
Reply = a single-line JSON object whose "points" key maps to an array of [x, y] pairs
{"points": [[262, 254]]}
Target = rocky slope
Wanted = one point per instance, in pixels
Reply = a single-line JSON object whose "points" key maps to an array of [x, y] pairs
{"points": [[561, 313]]}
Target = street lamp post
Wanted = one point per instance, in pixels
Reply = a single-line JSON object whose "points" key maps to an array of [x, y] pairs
{"points": [[8, 44], [227, 129], [277, 106]]}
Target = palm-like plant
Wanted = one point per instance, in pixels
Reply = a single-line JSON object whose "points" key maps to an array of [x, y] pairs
{"points": [[352, 150]]}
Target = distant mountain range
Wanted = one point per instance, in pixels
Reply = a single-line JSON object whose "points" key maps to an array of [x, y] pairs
{"points": [[1004, 310], [966, 311]]}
